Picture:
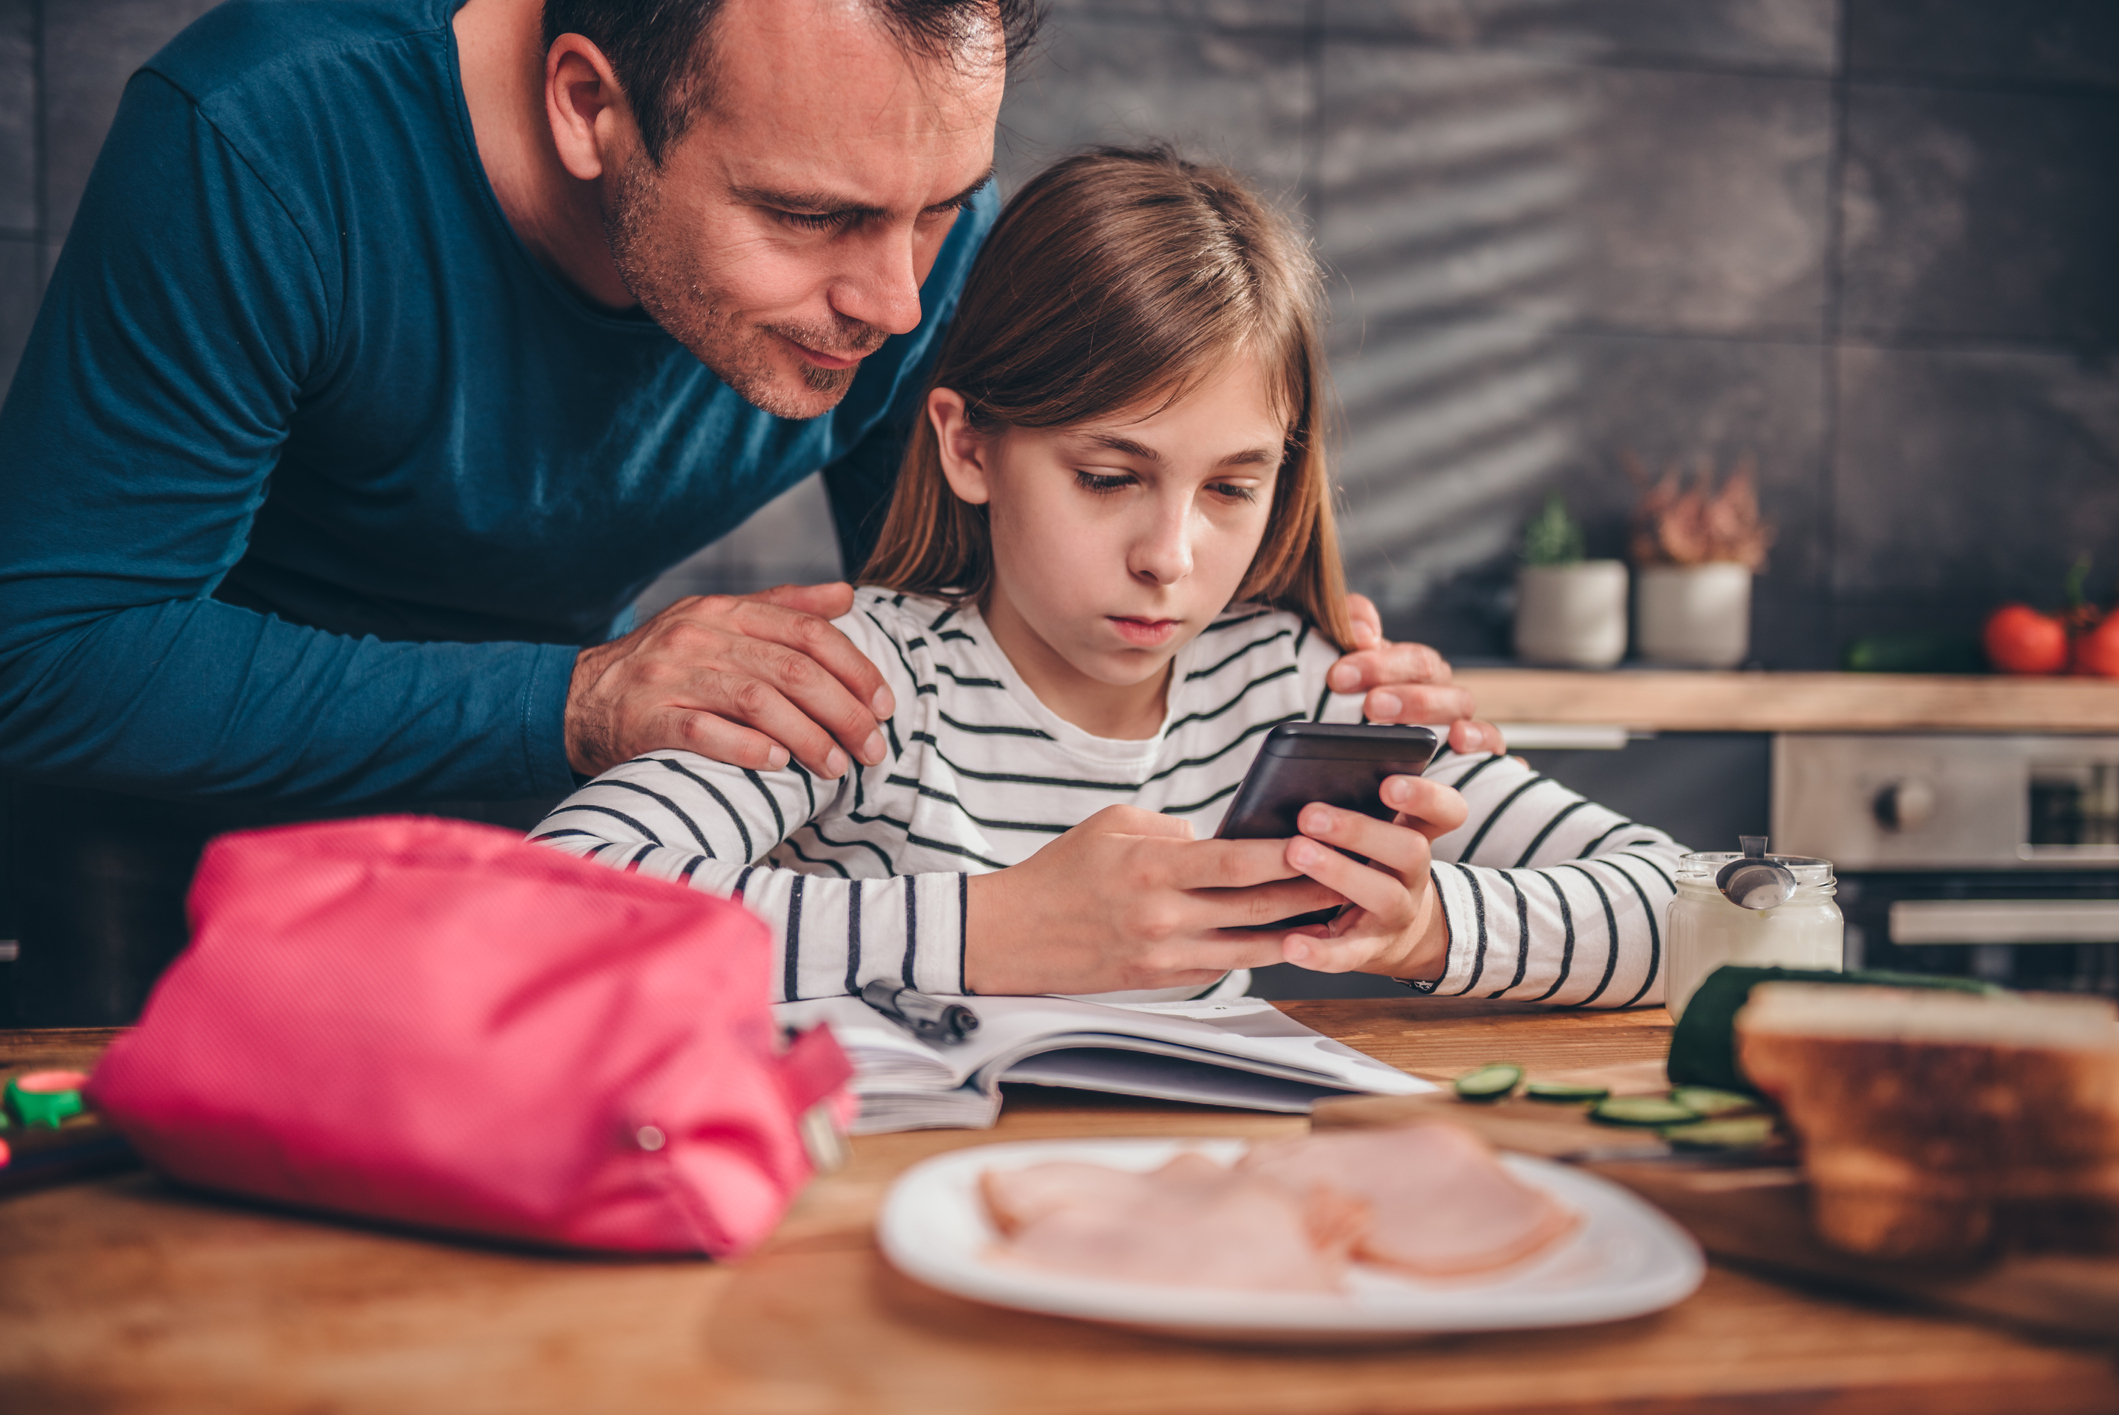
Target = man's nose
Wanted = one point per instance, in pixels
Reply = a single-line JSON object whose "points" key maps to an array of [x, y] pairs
{"points": [[1162, 552], [883, 287]]}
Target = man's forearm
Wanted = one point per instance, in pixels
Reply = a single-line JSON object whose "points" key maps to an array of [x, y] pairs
{"points": [[195, 698]]}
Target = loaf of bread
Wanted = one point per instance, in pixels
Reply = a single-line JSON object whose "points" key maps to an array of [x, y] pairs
{"points": [[1940, 1125]]}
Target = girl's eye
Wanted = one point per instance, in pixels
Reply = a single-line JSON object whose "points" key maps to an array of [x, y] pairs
{"points": [[1101, 483], [1235, 491]]}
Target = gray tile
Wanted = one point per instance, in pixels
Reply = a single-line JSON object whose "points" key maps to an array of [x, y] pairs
{"points": [[1666, 201], [18, 116], [1227, 14], [1799, 34], [1985, 215], [788, 541], [2053, 41], [1967, 478], [20, 286], [91, 47], [1456, 431], [1234, 98]]}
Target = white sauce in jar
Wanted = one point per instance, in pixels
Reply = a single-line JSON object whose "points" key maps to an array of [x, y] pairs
{"points": [[1704, 930]]}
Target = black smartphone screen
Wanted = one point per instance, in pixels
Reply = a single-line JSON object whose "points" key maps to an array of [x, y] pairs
{"points": [[1340, 764]]}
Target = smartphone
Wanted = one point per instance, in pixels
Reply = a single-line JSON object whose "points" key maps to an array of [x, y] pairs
{"points": [[1340, 764]]}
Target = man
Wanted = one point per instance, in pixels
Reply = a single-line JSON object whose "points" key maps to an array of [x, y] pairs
{"points": [[396, 346]]}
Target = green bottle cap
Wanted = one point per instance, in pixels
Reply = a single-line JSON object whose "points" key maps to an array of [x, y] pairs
{"points": [[46, 1097]]}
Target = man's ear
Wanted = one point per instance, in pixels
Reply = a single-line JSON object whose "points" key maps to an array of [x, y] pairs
{"points": [[585, 106], [967, 453]]}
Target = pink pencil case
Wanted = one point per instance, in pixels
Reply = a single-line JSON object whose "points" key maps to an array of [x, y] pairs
{"points": [[435, 1023]]}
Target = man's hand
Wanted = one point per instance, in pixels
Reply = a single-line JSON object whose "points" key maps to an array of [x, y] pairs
{"points": [[1407, 683], [1396, 926], [1128, 899], [745, 680]]}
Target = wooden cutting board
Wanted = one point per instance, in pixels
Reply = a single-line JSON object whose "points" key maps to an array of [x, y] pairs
{"points": [[1754, 1210]]}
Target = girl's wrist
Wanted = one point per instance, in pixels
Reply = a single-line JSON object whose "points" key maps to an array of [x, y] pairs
{"points": [[1423, 954]]}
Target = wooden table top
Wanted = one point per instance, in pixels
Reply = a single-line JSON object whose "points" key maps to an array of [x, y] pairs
{"points": [[1691, 701], [124, 1294]]}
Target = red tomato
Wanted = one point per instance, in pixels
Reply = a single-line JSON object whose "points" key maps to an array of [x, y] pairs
{"points": [[2019, 639], [2097, 652]]}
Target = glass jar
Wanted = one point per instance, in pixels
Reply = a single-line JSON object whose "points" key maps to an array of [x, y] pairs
{"points": [[1705, 930]]}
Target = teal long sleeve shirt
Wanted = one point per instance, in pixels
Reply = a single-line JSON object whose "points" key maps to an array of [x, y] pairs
{"points": [[312, 479]]}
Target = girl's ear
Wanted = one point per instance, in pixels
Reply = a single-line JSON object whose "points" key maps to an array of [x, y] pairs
{"points": [[966, 452]]}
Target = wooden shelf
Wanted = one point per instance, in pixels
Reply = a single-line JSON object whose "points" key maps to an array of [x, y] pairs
{"points": [[1676, 701]]}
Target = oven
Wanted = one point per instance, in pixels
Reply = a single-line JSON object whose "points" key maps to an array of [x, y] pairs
{"points": [[1995, 857]]}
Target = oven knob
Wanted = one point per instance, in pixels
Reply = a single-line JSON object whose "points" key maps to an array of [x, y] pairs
{"points": [[1905, 805]]}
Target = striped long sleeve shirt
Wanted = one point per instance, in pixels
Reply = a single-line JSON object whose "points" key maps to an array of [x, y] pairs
{"points": [[1548, 897]]}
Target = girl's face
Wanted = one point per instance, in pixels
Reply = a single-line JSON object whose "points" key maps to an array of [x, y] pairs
{"points": [[1117, 540]]}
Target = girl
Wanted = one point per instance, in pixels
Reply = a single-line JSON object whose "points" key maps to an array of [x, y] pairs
{"points": [[1109, 569]]}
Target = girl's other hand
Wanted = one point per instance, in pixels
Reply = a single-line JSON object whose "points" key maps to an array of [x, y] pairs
{"points": [[1407, 683], [1395, 925]]}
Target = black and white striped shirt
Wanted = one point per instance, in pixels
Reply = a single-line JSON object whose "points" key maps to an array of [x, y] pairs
{"points": [[1548, 897]]}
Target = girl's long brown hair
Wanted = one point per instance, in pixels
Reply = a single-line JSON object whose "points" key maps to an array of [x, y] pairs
{"points": [[1117, 277]]}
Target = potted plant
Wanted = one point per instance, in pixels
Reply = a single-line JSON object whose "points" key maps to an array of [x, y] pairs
{"points": [[1696, 549], [1570, 612]]}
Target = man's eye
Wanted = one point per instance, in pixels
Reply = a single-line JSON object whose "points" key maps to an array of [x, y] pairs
{"points": [[811, 221], [1102, 484]]}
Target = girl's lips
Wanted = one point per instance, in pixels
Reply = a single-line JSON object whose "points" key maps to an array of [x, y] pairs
{"points": [[1146, 632]]}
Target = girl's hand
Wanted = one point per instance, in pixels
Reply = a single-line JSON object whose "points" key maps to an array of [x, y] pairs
{"points": [[1407, 683], [1128, 899], [1395, 924]]}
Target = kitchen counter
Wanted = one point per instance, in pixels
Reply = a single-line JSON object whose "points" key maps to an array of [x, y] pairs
{"points": [[124, 1293], [1681, 701]]}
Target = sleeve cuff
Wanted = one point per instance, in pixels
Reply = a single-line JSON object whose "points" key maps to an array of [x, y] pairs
{"points": [[544, 718], [1453, 895], [938, 957]]}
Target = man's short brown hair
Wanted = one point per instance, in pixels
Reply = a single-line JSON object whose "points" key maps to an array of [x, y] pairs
{"points": [[662, 50]]}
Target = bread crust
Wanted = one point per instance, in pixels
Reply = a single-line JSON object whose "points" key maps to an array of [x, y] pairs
{"points": [[1926, 1148]]}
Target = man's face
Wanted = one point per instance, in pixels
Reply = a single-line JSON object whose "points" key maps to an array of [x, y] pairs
{"points": [[788, 230]]}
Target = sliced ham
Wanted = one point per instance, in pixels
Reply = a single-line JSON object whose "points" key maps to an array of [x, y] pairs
{"points": [[1018, 1197], [1191, 1223], [1440, 1204]]}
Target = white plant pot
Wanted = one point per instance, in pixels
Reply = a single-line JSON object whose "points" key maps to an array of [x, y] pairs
{"points": [[1572, 616], [1696, 616]]}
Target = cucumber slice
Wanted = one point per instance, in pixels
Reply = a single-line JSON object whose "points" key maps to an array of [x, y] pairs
{"points": [[1741, 1132], [1489, 1082], [1641, 1110], [1559, 1092], [1707, 1101]]}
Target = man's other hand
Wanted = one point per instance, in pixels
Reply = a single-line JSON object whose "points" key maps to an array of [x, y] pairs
{"points": [[1407, 683], [748, 680]]}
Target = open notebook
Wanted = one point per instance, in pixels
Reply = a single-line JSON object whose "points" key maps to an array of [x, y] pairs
{"points": [[1239, 1051]]}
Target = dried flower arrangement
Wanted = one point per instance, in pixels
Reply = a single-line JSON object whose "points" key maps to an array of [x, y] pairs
{"points": [[1695, 525]]}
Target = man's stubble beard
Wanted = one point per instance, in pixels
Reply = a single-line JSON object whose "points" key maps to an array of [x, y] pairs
{"points": [[697, 317]]}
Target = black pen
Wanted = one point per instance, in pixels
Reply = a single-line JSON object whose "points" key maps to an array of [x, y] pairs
{"points": [[928, 1018]]}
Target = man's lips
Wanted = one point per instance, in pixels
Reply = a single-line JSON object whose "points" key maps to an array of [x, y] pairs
{"points": [[824, 360], [1146, 632]]}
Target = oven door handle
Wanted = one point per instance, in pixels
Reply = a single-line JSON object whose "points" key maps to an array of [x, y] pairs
{"points": [[1976, 921]]}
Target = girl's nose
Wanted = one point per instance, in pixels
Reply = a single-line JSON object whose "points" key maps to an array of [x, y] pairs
{"points": [[1162, 553]]}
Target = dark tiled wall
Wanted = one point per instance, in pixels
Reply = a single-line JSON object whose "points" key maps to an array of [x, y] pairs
{"points": [[1870, 242]]}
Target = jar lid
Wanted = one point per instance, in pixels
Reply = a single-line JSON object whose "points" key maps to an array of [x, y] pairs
{"points": [[1702, 866]]}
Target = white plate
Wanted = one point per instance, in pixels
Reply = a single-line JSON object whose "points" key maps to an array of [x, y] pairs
{"points": [[1625, 1259]]}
